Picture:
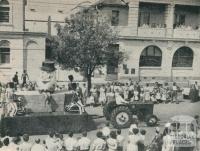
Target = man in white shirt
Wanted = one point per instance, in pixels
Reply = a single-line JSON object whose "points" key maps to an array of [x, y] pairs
{"points": [[112, 142], [84, 143], [37, 146], [70, 143], [118, 98], [25, 146], [51, 144], [99, 144]]}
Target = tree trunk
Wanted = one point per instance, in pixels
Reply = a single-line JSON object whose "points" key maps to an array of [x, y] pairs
{"points": [[89, 81]]}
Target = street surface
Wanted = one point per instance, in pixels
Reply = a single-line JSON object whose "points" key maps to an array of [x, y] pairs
{"points": [[163, 111]]}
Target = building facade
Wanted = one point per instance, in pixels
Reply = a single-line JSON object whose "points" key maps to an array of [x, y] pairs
{"points": [[19, 50], [160, 38]]}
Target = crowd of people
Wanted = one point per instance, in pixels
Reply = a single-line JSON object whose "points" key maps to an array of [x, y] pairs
{"points": [[131, 92], [107, 139]]}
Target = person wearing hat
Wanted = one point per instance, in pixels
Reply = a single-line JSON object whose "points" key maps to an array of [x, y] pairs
{"points": [[47, 79], [71, 85]]}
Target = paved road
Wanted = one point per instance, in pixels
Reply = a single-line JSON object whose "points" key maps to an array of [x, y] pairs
{"points": [[163, 111]]}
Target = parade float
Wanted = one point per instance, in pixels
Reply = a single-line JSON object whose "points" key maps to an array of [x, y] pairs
{"points": [[44, 109]]}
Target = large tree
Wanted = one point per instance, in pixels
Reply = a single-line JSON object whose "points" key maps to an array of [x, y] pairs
{"points": [[83, 43]]}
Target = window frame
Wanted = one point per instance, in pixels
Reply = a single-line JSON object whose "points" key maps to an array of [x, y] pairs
{"points": [[177, 60], [10, 15], [148, 60], [115, 19], [4, 55]]}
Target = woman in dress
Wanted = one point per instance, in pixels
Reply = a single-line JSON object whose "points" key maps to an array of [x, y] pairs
{"points": [[167, 141], [102, 96], [133, 141]]}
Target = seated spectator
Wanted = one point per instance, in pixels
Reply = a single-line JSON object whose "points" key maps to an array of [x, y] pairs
{"points": [[106, 130], [112, 142], [37, 146], [120, 140], [26, 145], [6, 144], [70, 142], [59, 141], [51, 144], [84, 142], [14, 145], [99, 144]]}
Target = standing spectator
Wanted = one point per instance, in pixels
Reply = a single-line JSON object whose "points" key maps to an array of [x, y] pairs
{"points": [[120, 140], [85, 94], [37, 146], [133, 140], [99, 144], [102, 96], [51, 144], [24, 78], [112, 142], [70, 142], [90, 100], [147, 92], [9, 92], [16, 80], [11, 108], [167, 141], [175, 93], [136, 93], [141, 146], [94, 93], [84, 142], [126, 91], [26, 145], [194, 92]]}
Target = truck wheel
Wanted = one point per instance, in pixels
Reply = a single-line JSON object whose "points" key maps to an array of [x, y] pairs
{"points": [[151, 120], [121, 117]]}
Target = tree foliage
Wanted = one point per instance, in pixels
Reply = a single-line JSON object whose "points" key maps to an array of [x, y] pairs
{"points": [[83, 43]]}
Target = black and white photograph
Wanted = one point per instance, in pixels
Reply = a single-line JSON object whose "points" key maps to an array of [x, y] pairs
{"points": [[99, 75]]}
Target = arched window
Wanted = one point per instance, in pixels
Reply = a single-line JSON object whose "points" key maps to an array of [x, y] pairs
{"points": [[4, 52], [4, 11], [151, 57], [183, 57]]}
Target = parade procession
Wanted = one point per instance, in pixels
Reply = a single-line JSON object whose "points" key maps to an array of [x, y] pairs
{"points": [[99, 75]]}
